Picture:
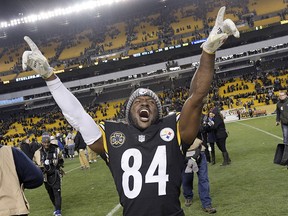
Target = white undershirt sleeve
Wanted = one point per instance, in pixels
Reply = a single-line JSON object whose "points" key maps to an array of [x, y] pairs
{"points": [[74, 112]]}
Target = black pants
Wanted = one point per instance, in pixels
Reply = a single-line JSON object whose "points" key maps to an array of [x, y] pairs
{"points": [[53, 187], [221, 143]]}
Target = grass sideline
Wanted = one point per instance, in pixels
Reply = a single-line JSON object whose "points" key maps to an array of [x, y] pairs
{"points": [[251, 186]]}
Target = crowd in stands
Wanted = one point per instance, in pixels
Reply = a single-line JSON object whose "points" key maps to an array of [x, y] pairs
{"points": [[256, 91], [148, 30]]}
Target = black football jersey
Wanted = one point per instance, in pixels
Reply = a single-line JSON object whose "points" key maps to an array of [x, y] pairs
{"points": [[146, 166]]}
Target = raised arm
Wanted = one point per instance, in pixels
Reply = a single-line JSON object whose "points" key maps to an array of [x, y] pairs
{"points": [[201, 82], [71, 108]]}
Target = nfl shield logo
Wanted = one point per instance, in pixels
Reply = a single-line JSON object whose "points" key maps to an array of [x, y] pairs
{"points": [[141, 138]]}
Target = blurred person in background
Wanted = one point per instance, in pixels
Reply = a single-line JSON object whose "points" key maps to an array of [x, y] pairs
{"points": [[29, 148], [219, 128], [49, 159], [196, 163], [92, 156], [57, 142], [80, 147], [282, 115], [211, 137], [34, 145], [61, 138], [69, 140], [25, 147]]}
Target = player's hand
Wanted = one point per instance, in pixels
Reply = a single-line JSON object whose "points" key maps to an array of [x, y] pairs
{"points": [[277, 123], [35, 60], [220, 32]]}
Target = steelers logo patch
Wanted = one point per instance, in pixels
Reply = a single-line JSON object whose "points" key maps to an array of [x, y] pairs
{"points": [[117, 139], [142, 91], [167, 134]]}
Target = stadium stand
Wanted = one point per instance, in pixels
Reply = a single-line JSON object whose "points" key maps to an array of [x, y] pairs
{"points": [[132, 52]]}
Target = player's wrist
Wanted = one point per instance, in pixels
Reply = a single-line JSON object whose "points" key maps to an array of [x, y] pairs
{"points": [[208, 50], [51, 76]]}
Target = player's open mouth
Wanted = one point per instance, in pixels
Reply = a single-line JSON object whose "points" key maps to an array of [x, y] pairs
{"points": [[144, 115]]}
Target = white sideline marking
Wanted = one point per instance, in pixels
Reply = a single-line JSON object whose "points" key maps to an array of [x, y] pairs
{"points": [[261, 130], [72, 169], [115, 209]]}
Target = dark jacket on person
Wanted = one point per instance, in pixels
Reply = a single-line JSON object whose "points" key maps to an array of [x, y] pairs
{"points": [[25, 147], [210, 131], [34, 146], [219, 125], [211, 137], [79, 142], [282, 111], [29, 149]]}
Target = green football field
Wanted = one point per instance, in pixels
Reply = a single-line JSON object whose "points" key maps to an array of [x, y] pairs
{"points": [[251, 185]]}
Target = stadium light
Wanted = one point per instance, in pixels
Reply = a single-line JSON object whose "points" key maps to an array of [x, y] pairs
{"points": [[4, 24], [77, 8]]}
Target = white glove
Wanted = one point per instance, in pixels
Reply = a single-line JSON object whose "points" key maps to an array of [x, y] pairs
{"points": [[210, 123], [209, 147], [36, 60], [220, 32], [192, 166]]}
